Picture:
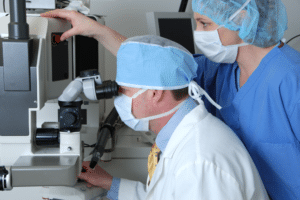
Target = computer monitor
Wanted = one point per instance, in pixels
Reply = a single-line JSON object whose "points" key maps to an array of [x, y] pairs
{"points": [[176, 26]]}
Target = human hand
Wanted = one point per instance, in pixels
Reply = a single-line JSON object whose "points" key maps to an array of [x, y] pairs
{"points": [[97, 177], [82, 25]]}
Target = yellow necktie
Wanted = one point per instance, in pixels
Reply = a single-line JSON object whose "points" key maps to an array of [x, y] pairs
{"points": [[153, 160]]}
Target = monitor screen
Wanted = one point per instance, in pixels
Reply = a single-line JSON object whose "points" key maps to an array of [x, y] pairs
{"points": [[176, 26], [178, 30]]}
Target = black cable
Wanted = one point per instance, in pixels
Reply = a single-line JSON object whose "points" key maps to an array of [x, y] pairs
{"points": [[4, 6], [87, 145], [106, 130], [183, 5], [292, 38]]}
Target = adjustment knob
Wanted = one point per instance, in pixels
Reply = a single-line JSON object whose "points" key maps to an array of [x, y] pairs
{"points": [[70, 118]]}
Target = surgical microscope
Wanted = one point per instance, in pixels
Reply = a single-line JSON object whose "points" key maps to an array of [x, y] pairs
{"points": [[46, 122]]}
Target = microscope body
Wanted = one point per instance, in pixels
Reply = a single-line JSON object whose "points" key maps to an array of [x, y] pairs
{"points": [[41, 136], [31, 156], [18, 121]]}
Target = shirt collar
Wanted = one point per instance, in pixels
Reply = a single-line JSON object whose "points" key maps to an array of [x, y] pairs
{"points": [[166, 132]]}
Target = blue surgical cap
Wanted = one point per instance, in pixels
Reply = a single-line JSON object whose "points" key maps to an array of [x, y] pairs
{"points": [[263, 24], [154, 62]]}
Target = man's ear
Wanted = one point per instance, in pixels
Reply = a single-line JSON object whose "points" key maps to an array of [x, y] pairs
{"points": [[156, 95]]}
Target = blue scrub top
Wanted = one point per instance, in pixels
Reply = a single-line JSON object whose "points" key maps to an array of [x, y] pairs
{"points": [[264, 113]]}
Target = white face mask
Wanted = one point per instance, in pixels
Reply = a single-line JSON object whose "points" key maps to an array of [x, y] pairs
{"points": [[210, 44], [123, 106]]}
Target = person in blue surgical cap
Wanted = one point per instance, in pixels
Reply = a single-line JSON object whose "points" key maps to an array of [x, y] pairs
{"points": [[248, 71], [255, 78], [195, 155]]}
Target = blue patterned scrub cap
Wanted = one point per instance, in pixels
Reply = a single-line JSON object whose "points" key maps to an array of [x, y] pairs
{"points": [[154, 62], [263, 24]]}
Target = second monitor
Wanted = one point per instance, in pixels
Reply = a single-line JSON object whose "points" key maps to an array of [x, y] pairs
{"points": [[176, 26]]}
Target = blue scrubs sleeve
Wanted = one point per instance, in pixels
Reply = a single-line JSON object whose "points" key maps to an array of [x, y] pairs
{"points": [[113, 193]]}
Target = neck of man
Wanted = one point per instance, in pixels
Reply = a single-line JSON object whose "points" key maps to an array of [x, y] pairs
{"points": [[156, 125], [248, 59]]}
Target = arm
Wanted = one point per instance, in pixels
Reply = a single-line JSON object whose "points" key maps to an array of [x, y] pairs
{"points": [[110, 39], [121, 189], [132, 190], [113, 193], [85, 26], [97, 177]]}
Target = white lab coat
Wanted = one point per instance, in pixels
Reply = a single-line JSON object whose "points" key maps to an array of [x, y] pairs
{"points": [[204, 159]]}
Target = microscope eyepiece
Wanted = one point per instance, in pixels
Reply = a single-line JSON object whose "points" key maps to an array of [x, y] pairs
{"points": [[107, 90]]}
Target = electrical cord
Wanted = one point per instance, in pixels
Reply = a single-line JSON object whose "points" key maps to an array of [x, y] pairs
{"points": [[293, 38], [117, 125], [89, 146], [183, 5], [4, 6]]}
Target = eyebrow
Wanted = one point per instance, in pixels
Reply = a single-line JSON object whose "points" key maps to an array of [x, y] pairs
{"points": [[200, 18]]}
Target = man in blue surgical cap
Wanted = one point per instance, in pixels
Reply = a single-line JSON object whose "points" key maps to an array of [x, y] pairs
{"points": [[195, 155], [247, 70]]}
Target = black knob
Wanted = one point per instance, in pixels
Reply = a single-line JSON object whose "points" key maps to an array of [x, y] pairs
{"points": [[87, 73], [70, 118], [47, 137]]}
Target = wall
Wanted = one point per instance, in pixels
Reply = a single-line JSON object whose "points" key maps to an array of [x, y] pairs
{"points": [[293, 10], [128, 18]]}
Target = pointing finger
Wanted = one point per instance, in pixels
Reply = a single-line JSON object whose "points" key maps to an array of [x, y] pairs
{"points": [[58, 13]]}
